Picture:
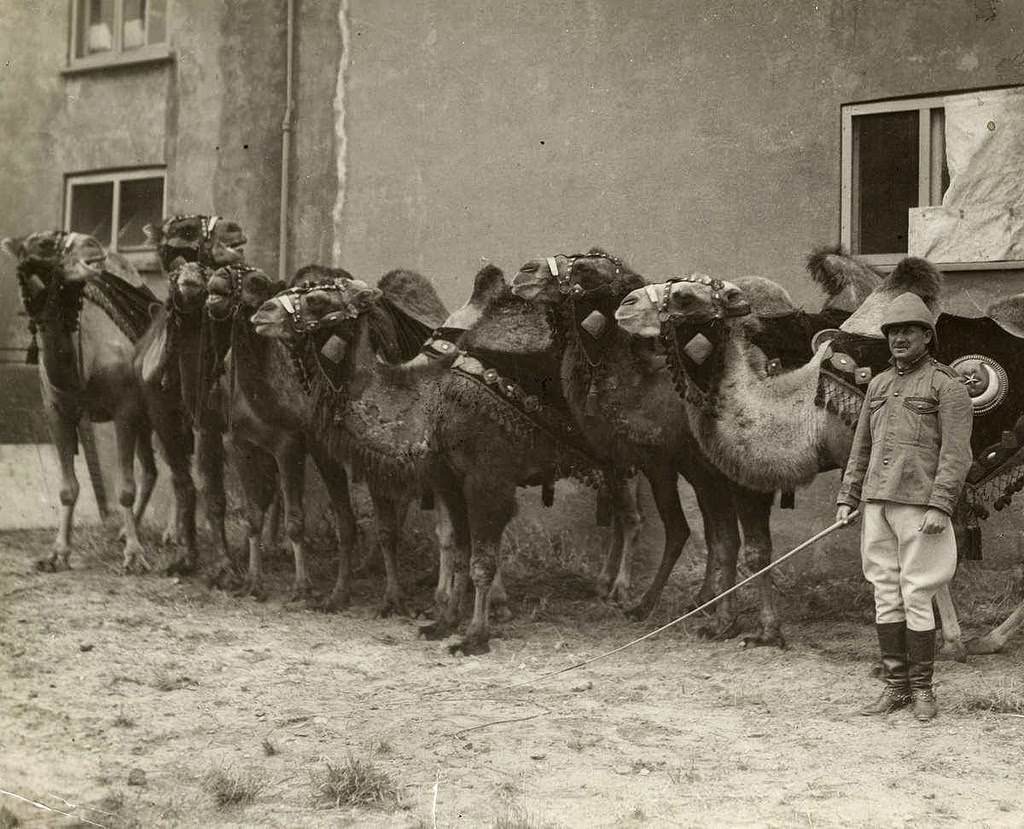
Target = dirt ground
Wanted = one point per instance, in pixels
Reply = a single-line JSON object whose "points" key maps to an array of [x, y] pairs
{"points": [[146, 701]]}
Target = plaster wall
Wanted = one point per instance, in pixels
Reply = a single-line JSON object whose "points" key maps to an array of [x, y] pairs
{"points": [[681, 135]]}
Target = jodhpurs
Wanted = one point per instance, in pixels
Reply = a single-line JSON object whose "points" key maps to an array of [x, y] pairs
{"points": [[905, 565]]}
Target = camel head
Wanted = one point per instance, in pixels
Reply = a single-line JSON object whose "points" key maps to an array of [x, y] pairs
{"points": [[79, 254], [309, 309], [188, 286], [693, 300], [234, 288], [209, 240], [552, 279]]}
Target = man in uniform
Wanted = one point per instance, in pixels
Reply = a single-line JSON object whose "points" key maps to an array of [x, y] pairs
{"points": [[909, 459]]}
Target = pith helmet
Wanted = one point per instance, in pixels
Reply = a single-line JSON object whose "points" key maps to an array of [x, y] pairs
{"points": [[908, 308]]}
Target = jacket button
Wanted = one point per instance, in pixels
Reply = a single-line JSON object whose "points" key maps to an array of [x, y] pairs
{"points": [[885, 463], [895, 394]]}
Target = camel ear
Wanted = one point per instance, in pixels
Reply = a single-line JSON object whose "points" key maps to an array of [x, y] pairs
{"points": [[363, 298], [154, 235], [12, 246]]}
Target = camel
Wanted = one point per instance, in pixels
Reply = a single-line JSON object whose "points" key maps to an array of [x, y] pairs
{"points": [[85, 369], [467, 431], [733, 404], [271, 429], [623, 400], [176, 363]]}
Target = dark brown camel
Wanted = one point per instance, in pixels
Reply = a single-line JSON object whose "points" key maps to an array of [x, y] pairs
{"points": [[270, 424], [177, 362], [623, 400], [467, 432], [86, 346]]}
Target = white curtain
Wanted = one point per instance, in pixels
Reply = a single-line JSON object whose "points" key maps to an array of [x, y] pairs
{"points": [[982, 214]]}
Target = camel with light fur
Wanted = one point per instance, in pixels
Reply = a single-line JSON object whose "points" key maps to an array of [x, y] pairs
{"points": [[85, 351], [767, 431]]}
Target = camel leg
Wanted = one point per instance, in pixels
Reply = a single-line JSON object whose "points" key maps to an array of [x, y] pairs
{"points": [[291, 466], [390, 514], [452, 502], [134, 554], [211, 469], [147, 465], [335, 478], [175, 442], [272, 525], [256, 471], [490, 510], [952, 637], [498, 595], [445, 532], [677, 531], [627, 525], [755, 514], [64, 439], [995, 640]]}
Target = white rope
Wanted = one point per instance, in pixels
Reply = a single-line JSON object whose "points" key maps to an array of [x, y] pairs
{"points": [[813, 539]]}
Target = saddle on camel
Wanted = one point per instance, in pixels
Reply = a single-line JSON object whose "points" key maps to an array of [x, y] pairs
{"points": [[463, 429], [84, 322], [734, 401]]}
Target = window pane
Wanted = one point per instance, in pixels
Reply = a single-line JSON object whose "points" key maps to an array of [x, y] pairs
{"points": [[156, 21], [133, 31], [95, 27], [887, 179], [142, 202], [92, 206]]}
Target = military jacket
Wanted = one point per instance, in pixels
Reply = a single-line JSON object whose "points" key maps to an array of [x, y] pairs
{"points": [[913, 439]]}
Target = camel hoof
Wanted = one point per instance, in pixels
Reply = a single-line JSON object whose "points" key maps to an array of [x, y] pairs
{"points": [[333, 604], [718, 632], [470, 646], [980, 647], [433, 630], [302, 594], [46, 565], [765, 639], [392, 607], [223, 578], [181, 567], [638, 612], [501, 613]]}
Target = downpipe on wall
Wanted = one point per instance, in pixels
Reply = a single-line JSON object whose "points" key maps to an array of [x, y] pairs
{"points": [[286, 145]]}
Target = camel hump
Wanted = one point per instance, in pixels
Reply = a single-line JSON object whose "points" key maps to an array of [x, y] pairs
{"points": [[414, 295], [155, 354], [1008, 314], [767, 298], [845, 280]]}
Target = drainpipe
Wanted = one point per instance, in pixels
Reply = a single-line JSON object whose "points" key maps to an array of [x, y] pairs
{"points": [[286, 147]]}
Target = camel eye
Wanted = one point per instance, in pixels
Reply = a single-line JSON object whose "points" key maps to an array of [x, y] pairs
{"points": [[530, 267], [630, 300]]}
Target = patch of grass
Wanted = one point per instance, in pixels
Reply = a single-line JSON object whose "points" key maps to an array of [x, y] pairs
{"points": [[8, 820], [112, 801], [122, 720], [516, 817], [270, 747], [355, 782], [164, 681], [382, 746], [233, 787], [1001, 699]]}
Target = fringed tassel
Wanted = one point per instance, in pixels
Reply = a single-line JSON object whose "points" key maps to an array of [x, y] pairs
{"points": [[547, 493], [592, 407]]}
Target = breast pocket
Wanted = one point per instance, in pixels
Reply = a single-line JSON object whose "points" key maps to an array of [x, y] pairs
{"points": [[921, 415]]}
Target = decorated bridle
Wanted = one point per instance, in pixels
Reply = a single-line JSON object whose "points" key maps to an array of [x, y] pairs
{"points": [[236, 275], [304, 327]]}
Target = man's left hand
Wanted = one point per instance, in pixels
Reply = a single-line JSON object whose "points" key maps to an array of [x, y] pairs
{"points": [[934, 521]]}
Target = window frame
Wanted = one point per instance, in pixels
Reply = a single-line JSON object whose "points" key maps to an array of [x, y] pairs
{"points": [[117, 56], [931, 151], [143, 258]]}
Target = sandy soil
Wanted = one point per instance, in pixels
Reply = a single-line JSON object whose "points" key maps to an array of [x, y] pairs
{"points": [[122, 696]]}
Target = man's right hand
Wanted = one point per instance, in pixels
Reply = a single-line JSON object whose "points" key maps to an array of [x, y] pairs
{"points": [[843, 514]]}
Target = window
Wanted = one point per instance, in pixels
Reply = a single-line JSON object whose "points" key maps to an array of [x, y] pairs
{"points": [[114, 207], [107, 32], [898, 195]]}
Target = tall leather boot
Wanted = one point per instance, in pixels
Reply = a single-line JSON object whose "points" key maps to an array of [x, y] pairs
{"points": [[892, 641], [921, 656]]}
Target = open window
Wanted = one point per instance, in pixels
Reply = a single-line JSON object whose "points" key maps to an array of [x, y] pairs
{"points": [[117, 32], [115, 207], [939, 176]]}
